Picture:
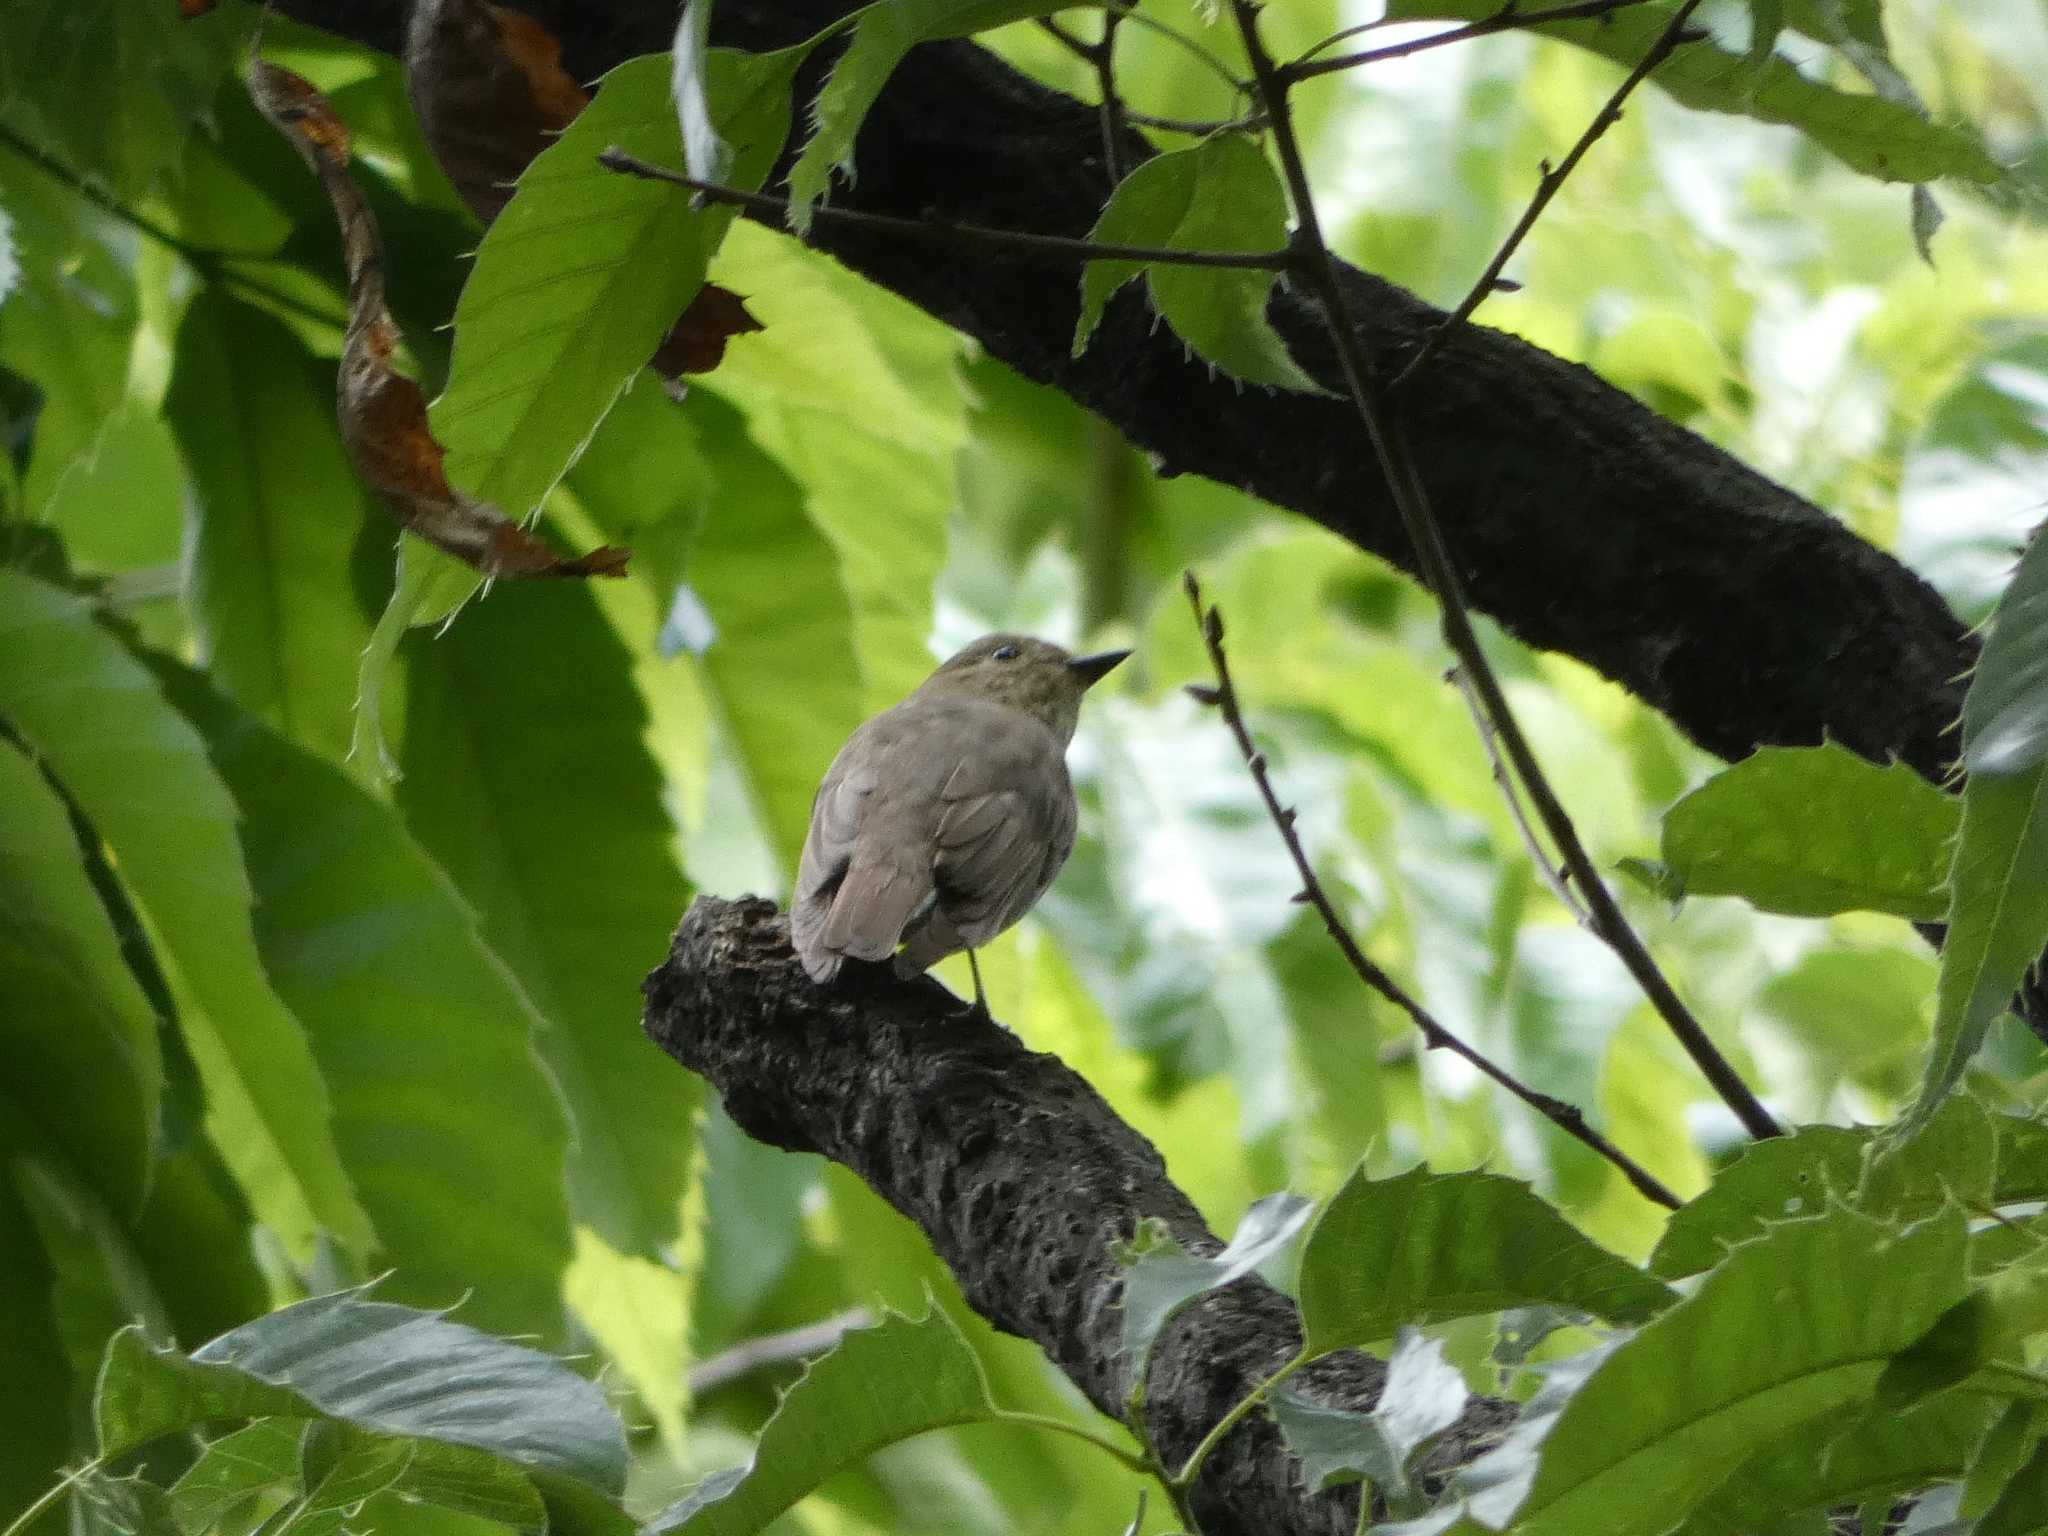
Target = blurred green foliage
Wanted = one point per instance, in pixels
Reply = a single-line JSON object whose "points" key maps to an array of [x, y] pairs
{"points": [[278, 1021]]}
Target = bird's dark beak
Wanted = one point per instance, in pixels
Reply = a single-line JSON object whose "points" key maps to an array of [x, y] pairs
{"points": [[1093, 669]]}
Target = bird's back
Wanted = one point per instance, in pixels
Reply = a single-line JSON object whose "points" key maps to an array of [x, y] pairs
{"points": [[937, 826]]}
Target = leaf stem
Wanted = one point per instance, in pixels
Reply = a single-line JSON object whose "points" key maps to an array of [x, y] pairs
{"points": [[1055, 246], [28, 1517], [1509, 18], [1318, 269], [1551, 181], [1133, 1462], [1189, 1469], [1566, 1117]]}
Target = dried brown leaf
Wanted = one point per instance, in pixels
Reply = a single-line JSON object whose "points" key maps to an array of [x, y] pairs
{"points": [[488, 85], [383, 413], [696, 342]]}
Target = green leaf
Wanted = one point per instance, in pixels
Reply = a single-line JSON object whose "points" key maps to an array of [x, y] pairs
{"points": [[140, 774], [99, 1285], [1858, 1453], [1422, 1247], [75, 1024], [234, 1469], [1221, 195], [280, 511], [1861, 1013], [855, 394], [1791, 1326], [1812, 831], [2022, 1509], [2005, 1448], [882, 34], [1163, 1277], [581, 276], [1998, 913], [877, 1386], [1769, 1181], [374, 1366], [529, 782], [452, 1132], [340, 1468], [1880, 138], [1423, 1396], [59, 60], [1913, 1170]]}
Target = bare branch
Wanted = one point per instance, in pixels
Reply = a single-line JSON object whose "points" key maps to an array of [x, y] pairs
{"points": [[1565, 1117], [1509, 18], [1318, 268], [1552, 180], [1058, 247]]}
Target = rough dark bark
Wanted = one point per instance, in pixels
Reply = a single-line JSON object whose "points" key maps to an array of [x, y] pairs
{"points": [[1583, 522], [1020, 1175]]}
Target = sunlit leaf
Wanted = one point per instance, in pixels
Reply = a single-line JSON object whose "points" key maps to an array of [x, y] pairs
{"points": [[1425, 1246], [1423, 1396], [141, 776], [1998, 913], [1783, 1178], [1222, 195], [1813, 831]]}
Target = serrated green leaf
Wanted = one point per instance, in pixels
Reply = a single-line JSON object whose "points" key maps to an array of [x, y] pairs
{"points": [[1857, 1453], [234, 1468], [1423, 1396], [882, 34], [1786, 1177], [141, 775], [877, 1386], [57, 58], [1880, 138], [1812, 831], [453, 1134], [1163, 1277], [1789, 1327], [1335, 1446], [1422, 1247], [1998, 912], [2022, 1508], [1221, 195], [278, 513], [1913, 1171], [2006, 1447], [581, 276], [529, 782], [76, 1023], [377, 1367]]}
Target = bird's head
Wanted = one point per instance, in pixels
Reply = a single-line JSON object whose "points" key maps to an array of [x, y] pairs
{"points": [[1034, 676]]}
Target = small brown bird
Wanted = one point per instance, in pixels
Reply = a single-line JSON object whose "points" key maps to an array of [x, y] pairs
{"points": [[942, 820]]}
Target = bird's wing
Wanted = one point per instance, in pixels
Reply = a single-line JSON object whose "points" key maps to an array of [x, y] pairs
{"points": [[866, 867], [1006, 826]]}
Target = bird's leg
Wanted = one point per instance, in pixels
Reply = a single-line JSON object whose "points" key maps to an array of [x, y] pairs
{"points": [[978, 1009]]}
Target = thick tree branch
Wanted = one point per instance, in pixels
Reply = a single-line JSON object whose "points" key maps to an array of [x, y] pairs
{"points": [[1020, 1175], [1580, 520]]}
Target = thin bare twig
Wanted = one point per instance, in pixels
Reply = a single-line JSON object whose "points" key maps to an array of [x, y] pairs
{"points": [[1111, 109], [1565, 1117], [1056, 246], [772, 1349], [1667, 42], [1558, 880], [1509, 18], [1316, 269]]}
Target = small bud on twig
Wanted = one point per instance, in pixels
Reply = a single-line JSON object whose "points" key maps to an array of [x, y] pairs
{"points": [[1203, 693]]}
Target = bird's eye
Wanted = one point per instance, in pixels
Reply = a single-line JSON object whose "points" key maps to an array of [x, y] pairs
{"points": [[1004, 653]]}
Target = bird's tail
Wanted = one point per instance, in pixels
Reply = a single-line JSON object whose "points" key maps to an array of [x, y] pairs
{"points": [[863, 918]]}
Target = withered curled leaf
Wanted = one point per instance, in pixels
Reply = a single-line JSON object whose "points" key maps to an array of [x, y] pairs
{"points": [[696, 342], [383, 413]]}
